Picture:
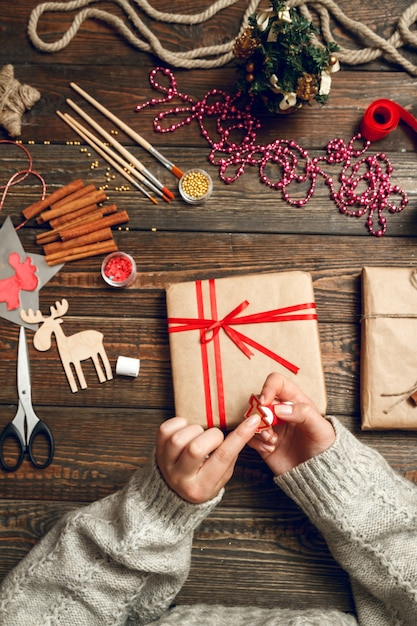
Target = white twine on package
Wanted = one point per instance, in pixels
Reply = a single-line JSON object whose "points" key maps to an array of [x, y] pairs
{"points": [[142, 37]]}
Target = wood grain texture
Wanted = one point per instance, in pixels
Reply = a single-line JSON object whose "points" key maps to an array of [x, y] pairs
{"points": [[256, 544]]}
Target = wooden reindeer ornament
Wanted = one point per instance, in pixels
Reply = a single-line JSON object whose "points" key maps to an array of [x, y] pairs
{"points": [[72, 349]]}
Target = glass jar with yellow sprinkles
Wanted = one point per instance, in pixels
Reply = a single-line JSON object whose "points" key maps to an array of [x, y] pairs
{"points": [[195, 186]]}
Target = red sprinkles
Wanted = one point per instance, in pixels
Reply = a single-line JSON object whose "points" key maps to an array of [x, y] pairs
{"points": [[118, 268]]}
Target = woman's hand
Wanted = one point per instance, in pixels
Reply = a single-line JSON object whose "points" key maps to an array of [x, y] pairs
{"points": [[197, 463], [302, 432]]}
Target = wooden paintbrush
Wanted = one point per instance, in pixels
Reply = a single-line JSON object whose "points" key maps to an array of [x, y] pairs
{"points": [[94, 141], [124, 151], [99, 149], [129, 131]]}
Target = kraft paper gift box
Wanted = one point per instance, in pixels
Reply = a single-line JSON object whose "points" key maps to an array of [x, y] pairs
{"points": [[388, 354], [226, 335]]}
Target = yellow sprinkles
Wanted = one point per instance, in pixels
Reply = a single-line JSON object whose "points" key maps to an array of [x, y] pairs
{"points": [[195, 184]]}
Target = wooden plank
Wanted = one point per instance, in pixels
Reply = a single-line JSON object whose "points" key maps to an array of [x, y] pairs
{"points": [[131, 331], [91, 464], [246, 205], [98, 448], [232, 550], [163, 258], [154, 385], [224, 566], [343, 114], [85, 477]]}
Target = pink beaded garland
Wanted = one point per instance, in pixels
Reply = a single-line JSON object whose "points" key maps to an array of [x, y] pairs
{"points": [[363, 186]]}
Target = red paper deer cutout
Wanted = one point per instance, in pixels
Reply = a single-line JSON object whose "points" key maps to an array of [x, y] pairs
{"points": [[72, 349], [24, 278]]}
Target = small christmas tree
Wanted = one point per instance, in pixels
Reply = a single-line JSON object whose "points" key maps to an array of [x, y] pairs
{"points": [[280, 61]]}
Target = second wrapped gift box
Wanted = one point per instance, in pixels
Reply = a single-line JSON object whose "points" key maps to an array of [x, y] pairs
{"points": [[388, 359]]}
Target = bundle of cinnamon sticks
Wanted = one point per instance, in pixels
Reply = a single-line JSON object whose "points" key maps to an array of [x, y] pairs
{"points": [[80, 223]]}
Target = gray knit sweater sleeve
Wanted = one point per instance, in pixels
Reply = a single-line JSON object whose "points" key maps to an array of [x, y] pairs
{"points": [[368, 515], [120, 560]]}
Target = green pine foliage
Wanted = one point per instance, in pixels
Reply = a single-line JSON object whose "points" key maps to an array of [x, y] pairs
{"points": [[291, 56]]}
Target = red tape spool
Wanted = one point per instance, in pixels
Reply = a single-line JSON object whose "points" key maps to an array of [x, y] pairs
{"points": [[382, 117]]}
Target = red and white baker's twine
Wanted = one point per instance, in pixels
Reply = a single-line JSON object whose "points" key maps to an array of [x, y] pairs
{"points": [[19, 176], [364, 183]]}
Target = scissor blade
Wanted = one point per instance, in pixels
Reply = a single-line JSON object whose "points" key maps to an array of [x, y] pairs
{"points": [[23, 369]]}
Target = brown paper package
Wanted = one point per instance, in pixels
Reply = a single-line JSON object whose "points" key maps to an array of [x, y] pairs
{"points": [[388, 354], [296, 341]]}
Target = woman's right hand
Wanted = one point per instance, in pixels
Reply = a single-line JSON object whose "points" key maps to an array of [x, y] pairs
{"points": [[301, 433]]}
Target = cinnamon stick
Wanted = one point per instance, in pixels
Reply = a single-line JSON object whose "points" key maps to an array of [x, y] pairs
{"points": [[74, 215], [38, 207], [93, 249], [110, 220], [55, 235], [73, 219], [59, 246], [73, 196], [69, 217], [99, 195], [47, 237], [93, 216]]}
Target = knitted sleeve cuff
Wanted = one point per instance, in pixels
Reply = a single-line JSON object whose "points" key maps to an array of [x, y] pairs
{"points": [[325, 483], [148, 487]]}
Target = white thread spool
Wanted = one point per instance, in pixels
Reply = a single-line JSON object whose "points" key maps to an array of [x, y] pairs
{"points": [[126, 366]]}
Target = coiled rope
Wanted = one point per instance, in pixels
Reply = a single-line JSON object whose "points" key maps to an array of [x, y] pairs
{"points": [[141, 37]]}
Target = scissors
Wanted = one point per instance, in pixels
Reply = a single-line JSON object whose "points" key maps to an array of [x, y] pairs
{"points": [[26, 426]]}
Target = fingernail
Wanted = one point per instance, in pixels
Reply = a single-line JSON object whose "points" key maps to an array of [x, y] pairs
{"points": [[253, 420], [284, 409]]}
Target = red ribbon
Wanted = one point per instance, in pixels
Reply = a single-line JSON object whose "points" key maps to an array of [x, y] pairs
{"points": [[209, 332], [383, 116]]}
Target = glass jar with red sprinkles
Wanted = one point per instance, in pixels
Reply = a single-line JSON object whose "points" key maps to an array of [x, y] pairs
{"points": [[118, 269]]}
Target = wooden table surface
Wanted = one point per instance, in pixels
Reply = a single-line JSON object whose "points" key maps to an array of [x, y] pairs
{"points": [[256, 547]]}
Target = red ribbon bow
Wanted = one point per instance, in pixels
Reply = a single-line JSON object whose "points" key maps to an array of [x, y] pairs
{"points": [[209, 332]]}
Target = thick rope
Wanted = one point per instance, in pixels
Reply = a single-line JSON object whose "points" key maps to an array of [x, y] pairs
{"points": [[379, 46], [207, 57], [144, 39]]}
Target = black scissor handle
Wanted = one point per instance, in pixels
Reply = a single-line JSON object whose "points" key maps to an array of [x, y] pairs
{"points": [[10, 432], [41, 429]]}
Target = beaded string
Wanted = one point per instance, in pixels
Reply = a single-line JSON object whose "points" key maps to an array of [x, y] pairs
{"points": [[363, 186], [20, 176]]}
